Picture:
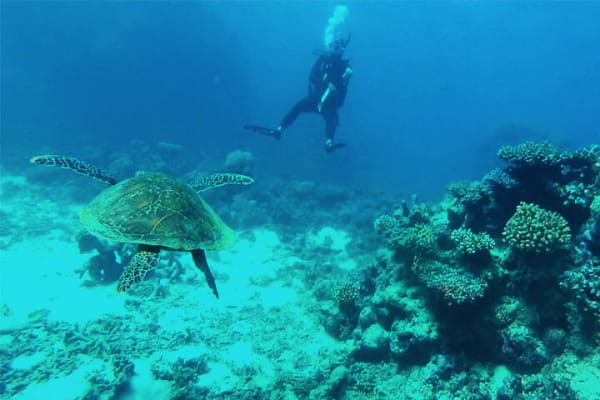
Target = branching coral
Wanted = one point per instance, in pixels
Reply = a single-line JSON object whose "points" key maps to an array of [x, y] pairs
{"points": [[468, 242], [595, 206], [575, 194], [531, 154], [468, 193], [417, 239], [346, 296], [421, 238], [385, 225], [584, 283], [500, 178], [455, 284], [534, 229]]}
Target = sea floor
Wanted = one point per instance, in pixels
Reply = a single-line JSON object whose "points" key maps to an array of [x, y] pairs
{"points": [[62, 338]]}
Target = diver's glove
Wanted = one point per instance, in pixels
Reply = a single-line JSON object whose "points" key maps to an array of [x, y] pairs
{"points": [[347, 73], [330, 89]]}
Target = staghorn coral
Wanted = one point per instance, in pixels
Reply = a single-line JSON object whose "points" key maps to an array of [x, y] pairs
{"points": [[468, 242], [533, 229], [531, 154]]}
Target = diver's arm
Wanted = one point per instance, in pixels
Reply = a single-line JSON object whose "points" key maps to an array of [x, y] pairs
{"points": [[316, 78], [342, 88]]}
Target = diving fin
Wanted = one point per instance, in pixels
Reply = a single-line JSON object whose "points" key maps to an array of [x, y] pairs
{"points": [[276, 133], [334, 147]]}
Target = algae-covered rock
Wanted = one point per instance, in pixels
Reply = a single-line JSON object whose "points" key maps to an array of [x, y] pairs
{"points": [[374, 344], [240, 162]]}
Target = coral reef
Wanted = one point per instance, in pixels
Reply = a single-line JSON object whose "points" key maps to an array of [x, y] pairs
{"points": [[508, 267], [442, 301]]}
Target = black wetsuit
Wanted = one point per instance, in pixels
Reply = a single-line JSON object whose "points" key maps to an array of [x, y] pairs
{"points": [[327, 69]]}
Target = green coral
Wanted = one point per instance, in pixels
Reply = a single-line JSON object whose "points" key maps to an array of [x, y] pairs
{"points": [[419, 238], [531, 154], [468, 192], [468, 242], [346, 296], [533, 229], [595, 206], [454, 283], [385, 225]]}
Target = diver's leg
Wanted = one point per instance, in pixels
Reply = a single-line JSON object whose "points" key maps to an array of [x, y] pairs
{"points": [[307, 104], [200, 261], [331, 122]]}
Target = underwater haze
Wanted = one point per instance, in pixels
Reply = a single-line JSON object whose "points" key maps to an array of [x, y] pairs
{"points": [[435, 84], [170, 231]]}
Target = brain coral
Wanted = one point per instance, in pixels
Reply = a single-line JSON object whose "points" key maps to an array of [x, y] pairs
{"points": [[534, 229]]}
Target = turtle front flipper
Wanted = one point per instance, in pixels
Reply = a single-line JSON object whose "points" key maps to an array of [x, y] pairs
{"points": [[143, 261], [200, 261], [200, 184], [75, 165]]}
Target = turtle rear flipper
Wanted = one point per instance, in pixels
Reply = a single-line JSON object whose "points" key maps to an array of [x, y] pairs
{"points": [[143, 261], [75, 165], [200, 261]]}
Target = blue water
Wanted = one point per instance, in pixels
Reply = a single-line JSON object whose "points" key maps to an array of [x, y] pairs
{"points": [[437, 87], [330, 291]]}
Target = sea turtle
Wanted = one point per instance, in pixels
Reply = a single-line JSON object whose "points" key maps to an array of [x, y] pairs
{"points": [[156, 212]]}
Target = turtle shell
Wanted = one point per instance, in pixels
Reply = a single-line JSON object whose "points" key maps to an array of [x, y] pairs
{"points": [[158, 210]]}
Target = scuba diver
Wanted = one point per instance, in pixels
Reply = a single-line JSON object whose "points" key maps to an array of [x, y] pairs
{"points": [[327, 87]]}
